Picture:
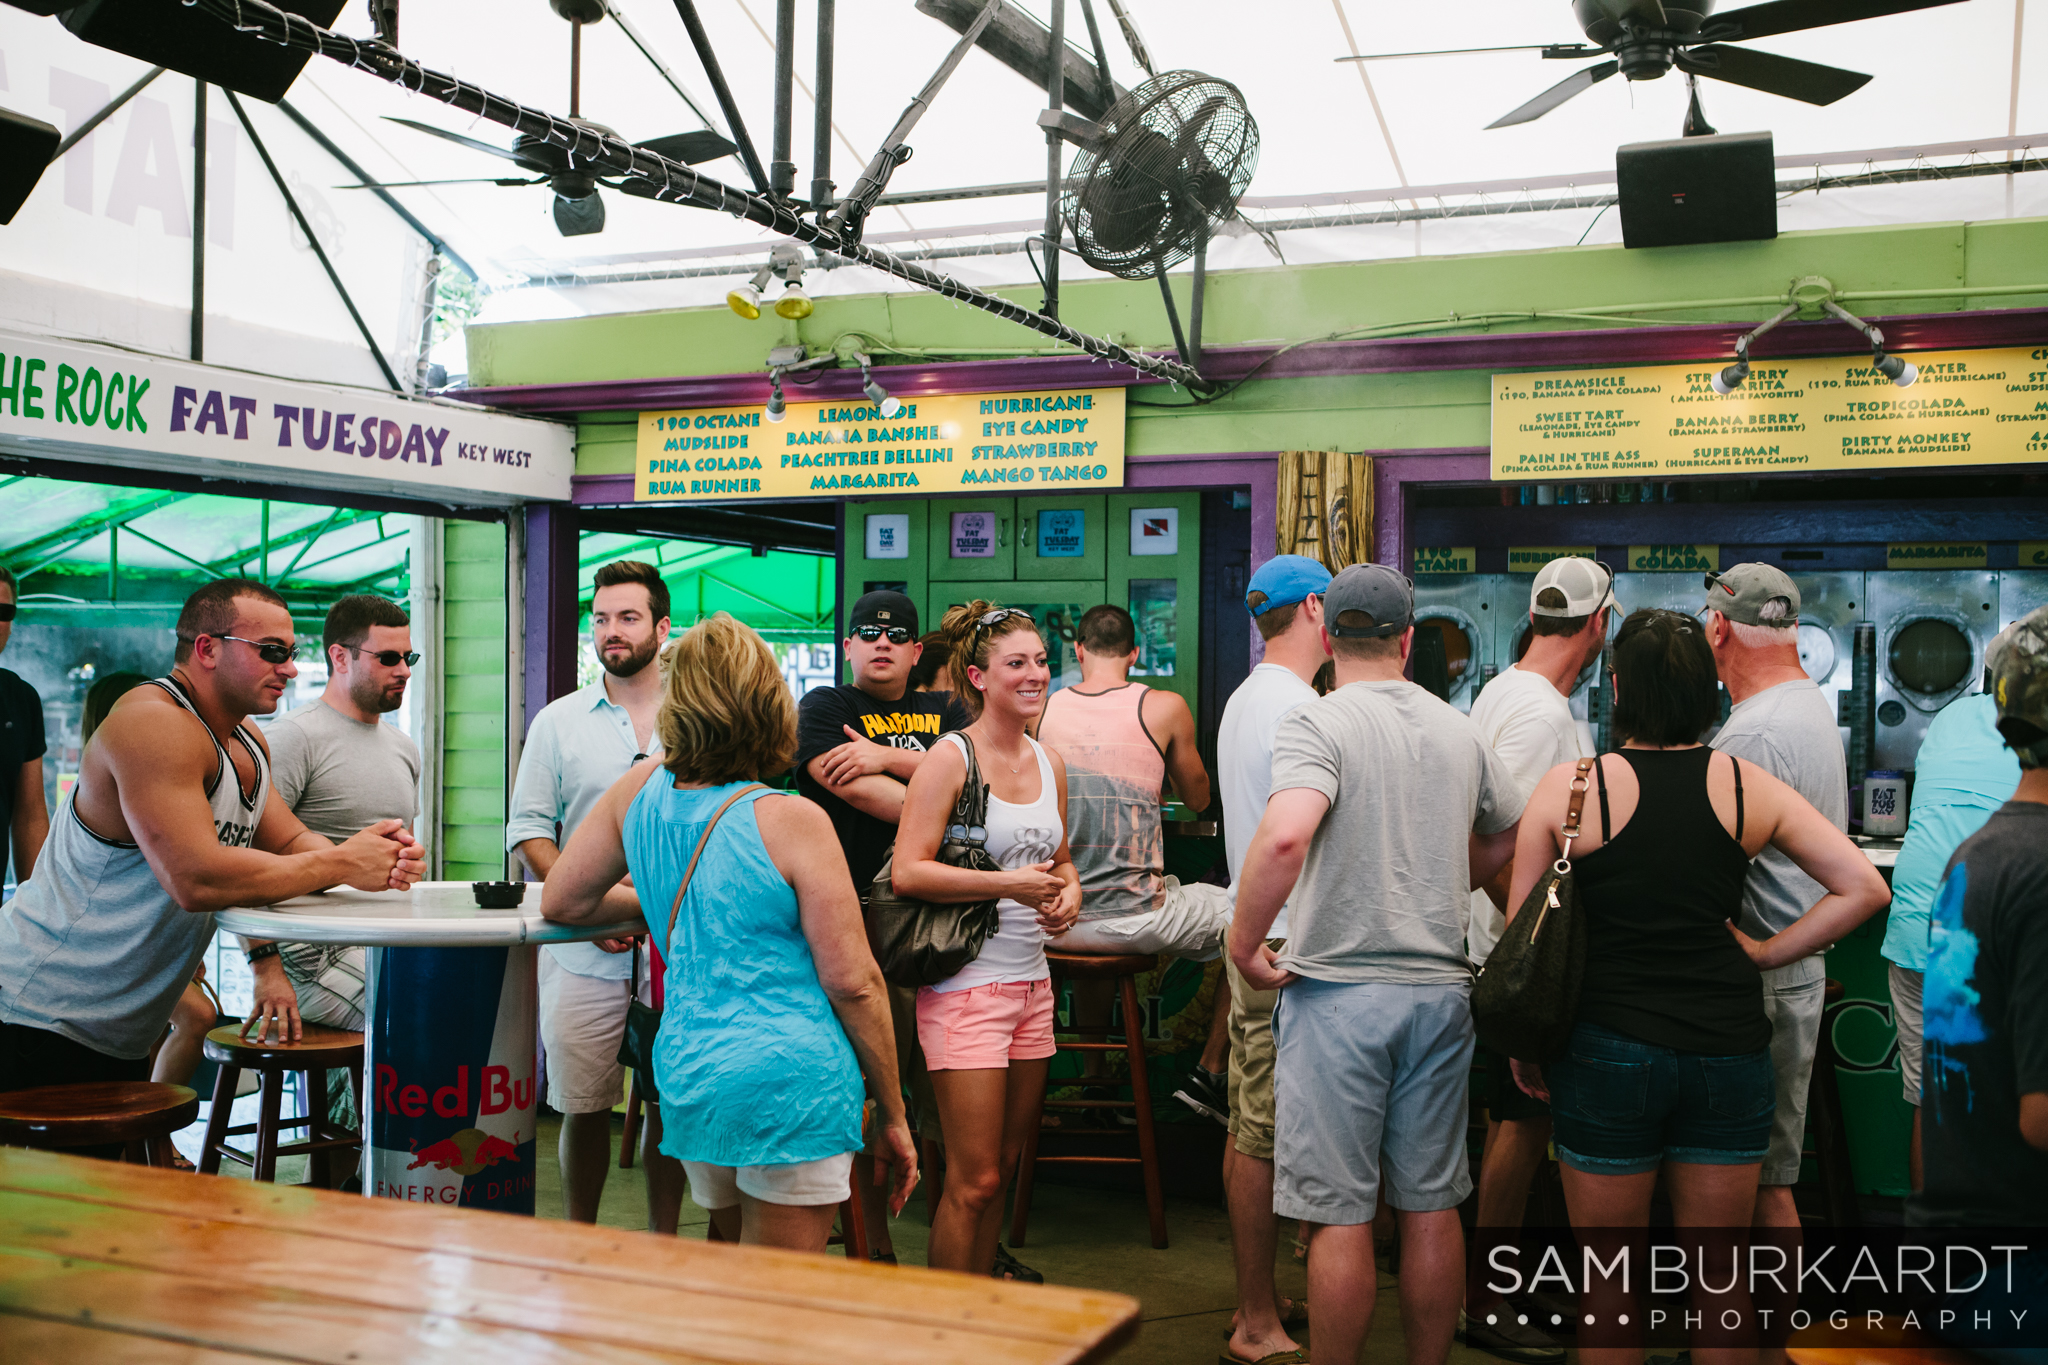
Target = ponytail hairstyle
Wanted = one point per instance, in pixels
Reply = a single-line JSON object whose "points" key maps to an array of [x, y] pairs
{"points": [[1667, 687], [970, 631]]}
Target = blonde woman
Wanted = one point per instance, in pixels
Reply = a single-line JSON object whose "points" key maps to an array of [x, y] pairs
{"points": [[987, 1030], [774, 1004]]}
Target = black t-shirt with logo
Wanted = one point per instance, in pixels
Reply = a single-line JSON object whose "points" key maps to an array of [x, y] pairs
{"points": [[1985, 1009], [21, 741], [915, 722]]}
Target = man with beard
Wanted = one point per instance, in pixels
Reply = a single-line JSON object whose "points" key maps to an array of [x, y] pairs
{"points": [[339, 767], [578, 747], [173, 818]]}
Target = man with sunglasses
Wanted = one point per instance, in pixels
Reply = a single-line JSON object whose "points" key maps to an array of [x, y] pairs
{"points": [[857, 745], [24, 816], [174, 817], [339, 767]]}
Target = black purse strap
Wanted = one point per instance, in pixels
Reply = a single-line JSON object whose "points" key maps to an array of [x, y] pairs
{"points": [[691, 870], [970, 808]]}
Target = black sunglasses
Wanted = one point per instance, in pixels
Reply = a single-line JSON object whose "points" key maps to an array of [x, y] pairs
{"points": [[390, 658], [267, 650], [7, 610], [898, 635]]}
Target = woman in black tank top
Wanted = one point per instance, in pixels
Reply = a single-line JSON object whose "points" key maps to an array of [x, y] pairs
{"points": [[1669, 1063]]}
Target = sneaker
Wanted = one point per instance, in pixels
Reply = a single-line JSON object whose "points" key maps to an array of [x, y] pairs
{"points": [[1208, 1094], [1507, 1338], [1008, 1267]]}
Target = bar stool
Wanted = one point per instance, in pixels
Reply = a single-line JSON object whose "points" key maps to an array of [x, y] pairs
{"points": [[97, 1114], [320, 1049], [1124, 969], [1824, 1122]]}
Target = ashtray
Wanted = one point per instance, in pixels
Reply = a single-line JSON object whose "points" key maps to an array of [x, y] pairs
{"points": [[499, 895]]}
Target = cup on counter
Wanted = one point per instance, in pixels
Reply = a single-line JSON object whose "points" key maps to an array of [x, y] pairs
{"points": [[1884, 804]]}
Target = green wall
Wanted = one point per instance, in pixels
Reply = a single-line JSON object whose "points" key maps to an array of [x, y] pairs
{"points": [[1940, 267], [473, 712]]}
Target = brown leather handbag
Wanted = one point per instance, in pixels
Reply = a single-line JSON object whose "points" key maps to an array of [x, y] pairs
{"points": [[921, 943], [1527, 996]]}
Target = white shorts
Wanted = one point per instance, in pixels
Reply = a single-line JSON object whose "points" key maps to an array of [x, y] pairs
{"points": [[1906, 984], [1192, 923], [805, 1184], [328, 979], [582, 1021]]}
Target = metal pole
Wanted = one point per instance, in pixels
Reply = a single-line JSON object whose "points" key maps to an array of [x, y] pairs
{"points": [[575, 68], [1101, 54], [1056, 100], [1194, 355], [263, 554], [114, 563], [781, 170], [701, 40], [1180, 341], [348, 164], [79, 134], [313, 240], [199, 220], [821, 135]]}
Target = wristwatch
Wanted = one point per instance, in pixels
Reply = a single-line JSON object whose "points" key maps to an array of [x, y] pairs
{"points": [[258, 953]]}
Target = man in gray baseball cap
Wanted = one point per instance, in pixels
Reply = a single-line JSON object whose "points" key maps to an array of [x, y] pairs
{"points": [[1782, 723], [1383, 797]]}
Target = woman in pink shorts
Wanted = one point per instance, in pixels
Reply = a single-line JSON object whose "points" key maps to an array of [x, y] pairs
{"points": [[987, 1029]]}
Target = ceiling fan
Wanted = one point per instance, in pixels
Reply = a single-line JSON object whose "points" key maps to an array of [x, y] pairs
{"points": [[1646, 38], [578, 209]]}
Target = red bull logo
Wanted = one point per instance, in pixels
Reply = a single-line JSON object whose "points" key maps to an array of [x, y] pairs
{"points": [[465, 1153], [498, 1093]]}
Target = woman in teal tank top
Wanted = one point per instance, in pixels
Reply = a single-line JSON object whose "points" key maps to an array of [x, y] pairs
{"points": [[774, 1006]]}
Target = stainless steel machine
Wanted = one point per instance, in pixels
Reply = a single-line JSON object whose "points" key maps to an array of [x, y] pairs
{"points": [[1463, 609], [1932, 627]]}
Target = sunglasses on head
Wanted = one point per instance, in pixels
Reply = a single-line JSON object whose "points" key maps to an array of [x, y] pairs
{"points": [[7, 610], [990, 620], [898, 635], [390, 658]]}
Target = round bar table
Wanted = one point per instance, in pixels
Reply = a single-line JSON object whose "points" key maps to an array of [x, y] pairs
{"points": [[451, 1032]]}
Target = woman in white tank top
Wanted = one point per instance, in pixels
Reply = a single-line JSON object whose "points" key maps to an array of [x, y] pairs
{"points": [[987, 1030]]}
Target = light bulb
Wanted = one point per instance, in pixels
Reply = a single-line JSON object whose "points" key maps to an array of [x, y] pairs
{"points": [[1900, 372], [793, 304], [775, 404], [745, 300], [879, 396], [1730, 379]]}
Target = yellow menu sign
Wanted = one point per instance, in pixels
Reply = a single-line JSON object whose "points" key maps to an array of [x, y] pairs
{"points": [[1058, 440], [1531, 558], [1928, 554], [1789, 416], [1445, 559], [1674, 558]]}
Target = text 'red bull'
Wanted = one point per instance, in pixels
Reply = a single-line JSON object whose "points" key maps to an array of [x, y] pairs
{"points": [[499, 1092]]}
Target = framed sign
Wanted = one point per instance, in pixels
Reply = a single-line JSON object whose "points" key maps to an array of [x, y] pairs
{"points": [[974, 535], [1155, 530], [1060, 534], [888, 535]]}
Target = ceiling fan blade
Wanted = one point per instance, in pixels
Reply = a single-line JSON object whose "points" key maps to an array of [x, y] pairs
{"points": [[1790, 16], [474, 144], [409, 184], [579, 217], [1577, 83], [1547, 49], [690, 148], [1772, 74]]}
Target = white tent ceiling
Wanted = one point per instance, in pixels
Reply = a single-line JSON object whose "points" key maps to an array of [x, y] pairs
{"points": [[1969, 72]]}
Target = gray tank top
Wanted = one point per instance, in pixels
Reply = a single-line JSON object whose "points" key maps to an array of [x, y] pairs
{"points": [[92, 946]]}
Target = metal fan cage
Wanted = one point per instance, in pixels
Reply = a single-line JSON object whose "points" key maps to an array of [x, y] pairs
{"points": [[1174, 156]]}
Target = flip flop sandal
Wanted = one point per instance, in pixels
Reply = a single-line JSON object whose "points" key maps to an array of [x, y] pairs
{"points": [[1295, 1316], [882, 1258], [1297, 1356]]}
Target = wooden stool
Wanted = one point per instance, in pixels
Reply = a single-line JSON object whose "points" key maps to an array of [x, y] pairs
{"points": [[320, 1049], [1824, 1122], [1124, 969], [97, 1114]]}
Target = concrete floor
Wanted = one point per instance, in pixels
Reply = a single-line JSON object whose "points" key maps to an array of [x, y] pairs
{"points": [[1078, 1236]]}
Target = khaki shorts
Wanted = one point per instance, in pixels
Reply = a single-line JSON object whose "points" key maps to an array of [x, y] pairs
{"points": [[1906, 983], [1795, 1013], [1191, 923], [805, 1184], [582, 1020], [1251, 1062]]}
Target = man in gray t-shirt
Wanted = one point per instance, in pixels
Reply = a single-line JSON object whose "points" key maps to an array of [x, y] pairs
{"points": [[1782, 723], [1387, 809], [340, 767]]}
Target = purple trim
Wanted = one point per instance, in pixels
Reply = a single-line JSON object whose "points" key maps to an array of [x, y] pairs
{"points": [[1393, 471], [550, 624], [600, 490], [1392, 355]]}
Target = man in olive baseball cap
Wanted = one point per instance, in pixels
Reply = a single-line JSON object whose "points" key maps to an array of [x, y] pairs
{"points": [[1754, 595], [2019, 686]]}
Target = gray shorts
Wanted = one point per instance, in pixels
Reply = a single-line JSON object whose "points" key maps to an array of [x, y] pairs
{"points": [[1906, 1019], [1366, 1072], [1795, 1013]]}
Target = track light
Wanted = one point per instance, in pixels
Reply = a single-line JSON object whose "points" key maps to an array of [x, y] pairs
{"points": [[1900, 372], [877, 395], [1729, 379], [746, 300], [794, 303], [776, 408]]}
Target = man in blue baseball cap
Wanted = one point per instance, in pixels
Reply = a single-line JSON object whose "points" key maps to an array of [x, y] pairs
{"points": [[1285, 602]]}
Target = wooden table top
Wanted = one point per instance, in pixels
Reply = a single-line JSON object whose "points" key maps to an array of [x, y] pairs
{"points": [[110, 1262]]}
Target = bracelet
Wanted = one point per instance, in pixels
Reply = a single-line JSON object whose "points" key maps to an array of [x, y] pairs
{"points": [[256, 955]]}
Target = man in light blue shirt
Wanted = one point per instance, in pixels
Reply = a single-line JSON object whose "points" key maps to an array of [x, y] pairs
{"points": [[578, 747], [1962, 774]]}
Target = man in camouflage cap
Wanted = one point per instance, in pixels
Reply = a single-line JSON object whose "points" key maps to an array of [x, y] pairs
{"points": [[1984, 1093]]}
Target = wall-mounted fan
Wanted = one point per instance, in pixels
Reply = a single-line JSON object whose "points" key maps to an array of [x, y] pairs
{"points": [[1644, 39], [578, 209]]}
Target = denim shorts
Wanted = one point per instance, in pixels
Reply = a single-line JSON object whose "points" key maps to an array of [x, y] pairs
{"points": [[1622, 1107]]}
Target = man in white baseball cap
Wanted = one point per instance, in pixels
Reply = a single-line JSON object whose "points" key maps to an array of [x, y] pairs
{"points": [[1525, 717]]}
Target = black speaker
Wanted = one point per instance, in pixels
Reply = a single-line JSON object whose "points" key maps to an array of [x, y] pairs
{"points": [[1698, 189], [169, 33], [41, 6], [26, 146]]}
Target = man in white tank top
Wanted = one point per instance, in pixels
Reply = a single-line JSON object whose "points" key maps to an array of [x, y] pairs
{"points": [[173, 818]]}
